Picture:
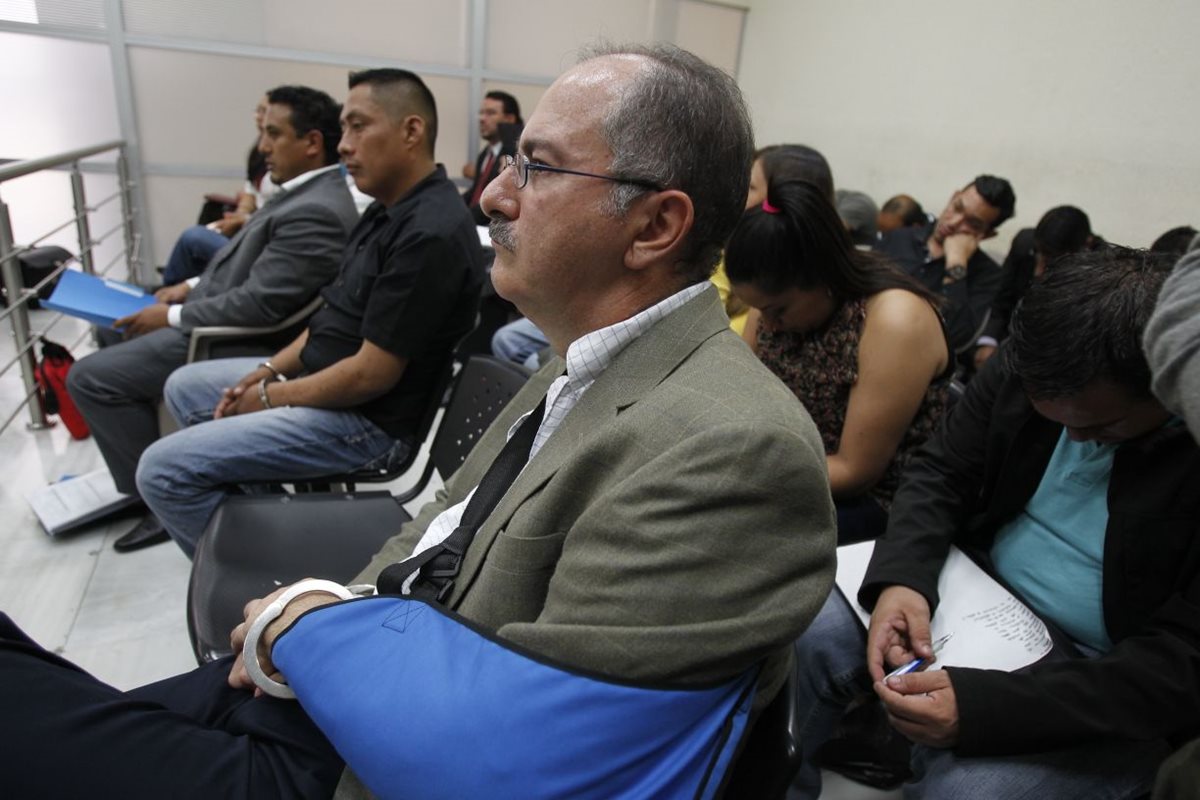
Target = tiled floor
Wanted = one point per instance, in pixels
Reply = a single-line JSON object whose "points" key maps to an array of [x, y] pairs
{"points": [[120, 616]]}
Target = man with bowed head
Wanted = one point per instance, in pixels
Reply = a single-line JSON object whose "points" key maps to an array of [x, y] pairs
{"points": [[1061, 474]]}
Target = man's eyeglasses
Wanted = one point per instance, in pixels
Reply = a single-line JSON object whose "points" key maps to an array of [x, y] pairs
{"points": [[523, 166]]}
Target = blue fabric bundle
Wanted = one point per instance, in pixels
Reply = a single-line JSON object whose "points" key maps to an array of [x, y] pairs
{"points": [[423, 705]]}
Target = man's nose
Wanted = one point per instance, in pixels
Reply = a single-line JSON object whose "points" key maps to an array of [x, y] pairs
{"points": [[499, 198]]}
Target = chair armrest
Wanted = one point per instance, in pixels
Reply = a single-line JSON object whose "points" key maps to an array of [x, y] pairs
{"points": [[223, 199], [202, 339]]}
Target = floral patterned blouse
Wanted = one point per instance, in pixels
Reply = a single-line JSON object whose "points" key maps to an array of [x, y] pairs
{"points": [[822, 366]]}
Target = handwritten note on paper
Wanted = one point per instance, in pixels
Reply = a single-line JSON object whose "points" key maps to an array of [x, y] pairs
{"points": [[992, 628]]}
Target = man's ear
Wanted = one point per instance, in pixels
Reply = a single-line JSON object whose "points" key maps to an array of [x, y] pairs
{"points": [[663, 221], [314, 144], [413, 128]]}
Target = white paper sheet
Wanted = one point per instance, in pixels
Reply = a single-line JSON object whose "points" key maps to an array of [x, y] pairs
{"points": [[76, 501], [992, 628]]}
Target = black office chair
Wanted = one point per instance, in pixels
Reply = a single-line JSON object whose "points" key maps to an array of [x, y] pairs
{"points": [[391, 472], [256, 543], [770, 756]]}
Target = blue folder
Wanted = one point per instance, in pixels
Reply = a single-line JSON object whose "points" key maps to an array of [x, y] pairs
{"points": [[98, 300]]}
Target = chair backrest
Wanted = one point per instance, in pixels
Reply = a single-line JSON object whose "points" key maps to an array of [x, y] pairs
{"points": [[483, 387], [393, 471], [256, 543]]}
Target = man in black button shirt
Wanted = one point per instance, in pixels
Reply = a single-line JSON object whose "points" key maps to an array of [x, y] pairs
{"points": [[945, 254], [348, 393]]}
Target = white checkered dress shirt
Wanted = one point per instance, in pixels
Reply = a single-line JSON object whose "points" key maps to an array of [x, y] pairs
{"points": [[587, 358]]}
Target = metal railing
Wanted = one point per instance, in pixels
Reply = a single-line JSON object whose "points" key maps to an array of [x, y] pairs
{"points": [[19, 296]]}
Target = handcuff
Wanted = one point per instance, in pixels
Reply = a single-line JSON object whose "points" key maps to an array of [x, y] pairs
{"points": [[272, 613]]}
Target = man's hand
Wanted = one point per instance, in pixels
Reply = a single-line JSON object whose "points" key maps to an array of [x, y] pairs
{"points": [[982, 353], [922, 707], [242, 398], [899, 630], [150, 318], [230, 224], [239, 678], [173, 294], [959, 247]]}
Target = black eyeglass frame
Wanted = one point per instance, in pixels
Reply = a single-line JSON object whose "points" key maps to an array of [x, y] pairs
{"points": [[524, 166]]}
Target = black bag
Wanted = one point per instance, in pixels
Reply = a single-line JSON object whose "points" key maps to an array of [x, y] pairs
{"points": [[36, 263], [866, 748]]}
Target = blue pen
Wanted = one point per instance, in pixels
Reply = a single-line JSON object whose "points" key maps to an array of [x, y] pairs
{"points": [[917, 663]]}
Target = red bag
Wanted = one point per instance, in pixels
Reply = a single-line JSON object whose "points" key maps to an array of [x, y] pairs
{"points": [[52, 388]]}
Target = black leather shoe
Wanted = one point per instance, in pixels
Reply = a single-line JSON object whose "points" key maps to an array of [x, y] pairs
{"points": [[146, 533]]}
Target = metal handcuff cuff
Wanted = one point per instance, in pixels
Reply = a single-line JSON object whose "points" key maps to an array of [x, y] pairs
{"points": [[272, 613]]}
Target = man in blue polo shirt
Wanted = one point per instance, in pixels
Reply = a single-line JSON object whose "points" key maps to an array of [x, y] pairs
{"points": [[1063, 475], [349, 392]]}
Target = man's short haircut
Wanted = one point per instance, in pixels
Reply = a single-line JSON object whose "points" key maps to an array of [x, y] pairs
{"points": [[907, 209], [682, 124], [401, 93], [1083, 322], [1175, 240], [999, 195], [508, 103], [312, 110], [1062, 230], [860, 214], [797, 162]]}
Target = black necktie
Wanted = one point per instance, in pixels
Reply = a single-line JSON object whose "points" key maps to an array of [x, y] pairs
{"points": [[439, 565]]}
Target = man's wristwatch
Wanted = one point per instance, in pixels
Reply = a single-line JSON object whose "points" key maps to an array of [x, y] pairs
{"points": [[956, 272]]}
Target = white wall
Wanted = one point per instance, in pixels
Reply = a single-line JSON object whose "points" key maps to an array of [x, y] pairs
{"points": [[1096, 104], [79, 111], [195, 71]]}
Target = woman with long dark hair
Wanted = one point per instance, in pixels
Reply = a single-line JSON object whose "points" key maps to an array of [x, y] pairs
{"points": [[860, 343]]}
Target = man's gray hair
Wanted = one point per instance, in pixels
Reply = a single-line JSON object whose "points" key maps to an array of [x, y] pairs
{"points": [[682, 124]]}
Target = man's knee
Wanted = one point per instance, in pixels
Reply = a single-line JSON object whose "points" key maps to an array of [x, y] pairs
{"points": [[81, 378], [176, 387], [502, 347], [154, 468], [831, 653], [195, 386]]}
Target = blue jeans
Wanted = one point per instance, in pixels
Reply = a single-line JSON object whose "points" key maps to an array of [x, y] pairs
{"points": [[184, 477], [194, 248], [831, 670], [519, 341]]}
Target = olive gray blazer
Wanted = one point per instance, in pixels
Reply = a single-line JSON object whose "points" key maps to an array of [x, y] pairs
{"points": [[677, 527]]}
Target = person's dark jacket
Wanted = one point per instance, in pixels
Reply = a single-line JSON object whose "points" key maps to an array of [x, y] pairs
{"points": [[1016, 275], [977, 473], [967, 301]]}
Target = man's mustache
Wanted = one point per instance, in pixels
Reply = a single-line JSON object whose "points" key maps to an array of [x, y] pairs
{"points": [[503, 234]]}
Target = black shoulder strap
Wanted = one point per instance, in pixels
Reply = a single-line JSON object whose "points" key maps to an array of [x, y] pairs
{"points": [[439, 565]]}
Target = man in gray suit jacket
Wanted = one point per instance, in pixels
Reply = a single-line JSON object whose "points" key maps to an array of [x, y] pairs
{"points": [[672, 524], [268, 271]]}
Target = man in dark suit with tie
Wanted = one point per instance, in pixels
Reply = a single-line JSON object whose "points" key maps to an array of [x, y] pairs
{"points": [[268, 271], [499, 126]]}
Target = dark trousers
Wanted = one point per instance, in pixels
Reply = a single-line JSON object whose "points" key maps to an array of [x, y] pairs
{"points": [[117, 390], [64, 734]]}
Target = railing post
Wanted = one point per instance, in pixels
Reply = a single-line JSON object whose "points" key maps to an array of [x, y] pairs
{"points": [[132, 256], [81, 221], [13, 286]]}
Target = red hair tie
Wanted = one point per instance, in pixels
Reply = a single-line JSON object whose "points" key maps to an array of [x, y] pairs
{"points": [[770, 209]]}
